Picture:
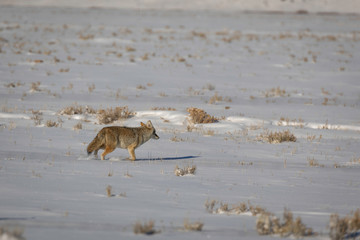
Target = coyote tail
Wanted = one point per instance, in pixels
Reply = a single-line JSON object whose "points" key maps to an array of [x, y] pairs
{"points": [[95, 144]]}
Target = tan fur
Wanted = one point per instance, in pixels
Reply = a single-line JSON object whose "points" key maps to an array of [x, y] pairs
{"points": [[110, 138]]}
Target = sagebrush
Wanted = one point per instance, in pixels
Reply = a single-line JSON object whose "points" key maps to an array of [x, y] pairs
{"points": [[346, 227], [198, 115], [277, 137]]}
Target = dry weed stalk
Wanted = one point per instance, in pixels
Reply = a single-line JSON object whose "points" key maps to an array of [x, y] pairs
{"points": [[108, 191], [110, 115], [200, 116], [185, 171], [347, 227], [277, 137]]}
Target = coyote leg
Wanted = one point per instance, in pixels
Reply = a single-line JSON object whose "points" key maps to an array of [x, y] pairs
{"points": [[132, 153], [108, 150]]}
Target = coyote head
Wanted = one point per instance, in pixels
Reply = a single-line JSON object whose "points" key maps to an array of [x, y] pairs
{"points": [[149, 126]]}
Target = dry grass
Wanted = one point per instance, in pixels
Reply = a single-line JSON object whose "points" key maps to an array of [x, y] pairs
{"points": [[77, 109], [146, 228], [216, 98], [277, 137], [347, 227], [37, 117], [194, 226], [216, 207], [108, 191], [110, 115], [268, 224], [200, 116], [50, 123], [313, 163], [77, 126], [185, 171], [275, 92], [163, 109], [140, 87]]}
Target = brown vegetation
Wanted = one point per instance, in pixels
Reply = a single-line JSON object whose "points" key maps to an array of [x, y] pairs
{"points": [[268, 224], [200, 116], [277, 137], [341, 228]]}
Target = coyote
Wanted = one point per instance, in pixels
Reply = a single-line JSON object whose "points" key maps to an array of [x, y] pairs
{"points": [[110, 138]]}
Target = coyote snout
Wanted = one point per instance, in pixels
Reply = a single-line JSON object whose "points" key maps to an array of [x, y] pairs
{"points": [[110, 138]]}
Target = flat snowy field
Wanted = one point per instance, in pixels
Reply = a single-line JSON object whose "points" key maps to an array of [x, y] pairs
{"points": [[257, 73]]}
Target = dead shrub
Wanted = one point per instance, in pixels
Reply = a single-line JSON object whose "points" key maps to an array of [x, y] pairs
{"points": [[35, 87], [77, 126], [37, 117], [146, 228], [313, 163], [277, 137], [185, 171], [77, 109], [200, 116], [163, 109], [268, 224], [108, 191], [110, 115], [275, 92], [195, 226], [346, 227], [216, 207], [50, 123]]}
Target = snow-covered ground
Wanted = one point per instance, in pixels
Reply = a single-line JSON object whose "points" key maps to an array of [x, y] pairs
{"points": [[255, 72]]}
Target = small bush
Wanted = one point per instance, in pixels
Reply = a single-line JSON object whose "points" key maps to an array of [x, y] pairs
{"points": [[200, 116], [146, 228], [50, 123], [185, 171], [216, 207], [77, 126], [195, 226], [108, 191], [268, 224], [110, 115], [277, 137], [37, 117], [346, 227], [77, 109]]}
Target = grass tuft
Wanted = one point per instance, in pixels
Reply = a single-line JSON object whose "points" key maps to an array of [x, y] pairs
{"points": [[277, 137], [77, 109], [185, 171], [346, 227], [110, 115], [269, 224], [194, 226], [146, 228]]}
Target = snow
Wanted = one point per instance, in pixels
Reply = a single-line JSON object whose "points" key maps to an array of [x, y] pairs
{"points": [[274, 72]]}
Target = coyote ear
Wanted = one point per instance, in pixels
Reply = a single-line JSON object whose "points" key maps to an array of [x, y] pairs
{"points": [[149, 124], [142, 124]]}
